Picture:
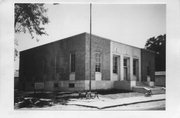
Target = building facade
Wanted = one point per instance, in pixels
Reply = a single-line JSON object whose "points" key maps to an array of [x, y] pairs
{"points": [[65, 65]]}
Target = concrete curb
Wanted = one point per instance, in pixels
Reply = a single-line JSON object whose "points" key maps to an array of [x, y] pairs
{"points": [[100, 108], [116, 105], [132, 103]]}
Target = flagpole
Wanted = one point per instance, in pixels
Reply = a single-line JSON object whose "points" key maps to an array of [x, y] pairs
{"points": [[90, 46]]}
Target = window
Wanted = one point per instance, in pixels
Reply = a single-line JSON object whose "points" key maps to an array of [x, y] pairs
{"points": [[72, 62], [125, 62], [126, 68], [148, 71], [98, 62], [55, 85], [134, 67], [115, 64], [71, 85]]}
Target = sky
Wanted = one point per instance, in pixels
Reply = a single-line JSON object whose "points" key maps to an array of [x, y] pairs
{"points": [[131, 24]]}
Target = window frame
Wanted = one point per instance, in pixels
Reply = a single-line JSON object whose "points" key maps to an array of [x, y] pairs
{"points": [[134, 67], [127, 67], [72, 63], [97, 62], [115, 64]]}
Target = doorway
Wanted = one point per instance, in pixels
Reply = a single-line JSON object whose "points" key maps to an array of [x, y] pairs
{"points": [[136, 69], [116, 67], [126, 66]]}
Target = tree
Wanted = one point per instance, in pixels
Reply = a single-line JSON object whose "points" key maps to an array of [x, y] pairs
{"points": [[158, 45], [30, 17]]}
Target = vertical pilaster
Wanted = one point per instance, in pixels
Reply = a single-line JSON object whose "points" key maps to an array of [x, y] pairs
{"points": [[111, 61], [121, 67], [140, 69], [131, 68]]}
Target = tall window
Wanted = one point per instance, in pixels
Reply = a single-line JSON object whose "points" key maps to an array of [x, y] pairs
{"points": [[98, 62], [148, 70], [125, 64], [72, 62], [134, 67], [115, 64]]}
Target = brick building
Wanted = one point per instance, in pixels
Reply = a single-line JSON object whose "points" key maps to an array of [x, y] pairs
{"points": [[64, 65]]}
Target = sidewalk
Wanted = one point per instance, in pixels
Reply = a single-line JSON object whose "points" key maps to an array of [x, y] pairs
{"points": [[103, 103]]}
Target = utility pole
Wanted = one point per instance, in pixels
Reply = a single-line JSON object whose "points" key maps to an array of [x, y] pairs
{"points": [[90, 48]]}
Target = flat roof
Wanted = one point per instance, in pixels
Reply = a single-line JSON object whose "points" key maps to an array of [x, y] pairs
{"points": [[85, 34]]}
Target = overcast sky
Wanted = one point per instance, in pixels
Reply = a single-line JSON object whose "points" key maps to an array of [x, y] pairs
{"points": [[131, 24]]}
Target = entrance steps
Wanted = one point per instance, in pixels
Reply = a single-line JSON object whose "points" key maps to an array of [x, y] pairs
{"points": [[145, 84], [144, 88], [158, 90]]}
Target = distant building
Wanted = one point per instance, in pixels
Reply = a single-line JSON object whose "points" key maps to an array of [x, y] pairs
{"points": [[65, 65]]}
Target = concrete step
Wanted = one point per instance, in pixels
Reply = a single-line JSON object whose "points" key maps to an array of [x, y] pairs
{"points": [[145, 84], [108, 103], [158, 90], [145, 89]]}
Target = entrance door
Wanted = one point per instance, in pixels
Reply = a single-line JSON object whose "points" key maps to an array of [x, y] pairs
{"points": [[116, 67], [98, 67], [136, 69], [126, 65]]}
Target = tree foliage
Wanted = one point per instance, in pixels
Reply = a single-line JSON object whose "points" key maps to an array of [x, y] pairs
{"points": [[158, 45], [30, 17]]}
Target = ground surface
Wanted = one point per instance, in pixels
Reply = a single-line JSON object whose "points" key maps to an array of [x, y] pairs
{"points": [[158, 105], [153, 105]]}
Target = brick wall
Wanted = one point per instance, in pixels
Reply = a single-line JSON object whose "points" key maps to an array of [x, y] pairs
{"points": [[147, 59], [51, 61], [160, 78], [98, 45]]}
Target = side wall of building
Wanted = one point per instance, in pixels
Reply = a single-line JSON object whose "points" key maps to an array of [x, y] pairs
{"points": [[123, 51], [160, 78], [99, 45], [48, 66], [147, 65], [50, 63]]}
